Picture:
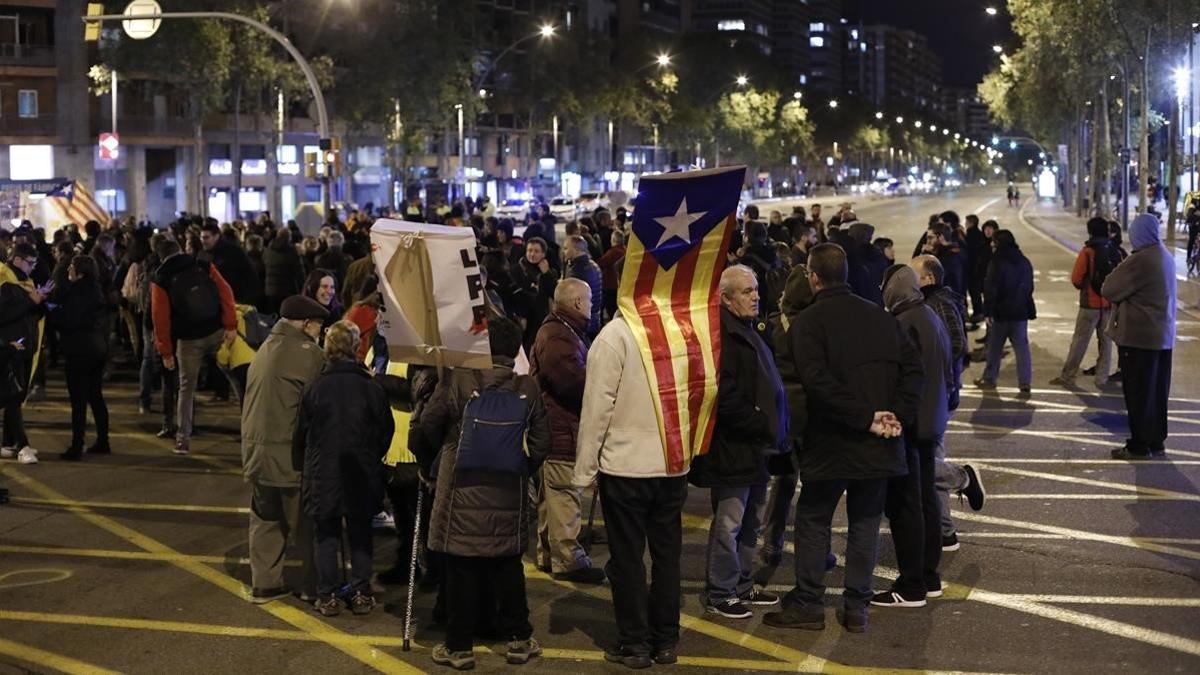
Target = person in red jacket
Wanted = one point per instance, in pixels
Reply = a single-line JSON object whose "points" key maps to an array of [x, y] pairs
{"points": [[1095, 260], [193, 311], [610, 277]]}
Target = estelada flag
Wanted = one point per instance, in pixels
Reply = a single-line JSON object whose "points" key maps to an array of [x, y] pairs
{"points": [[669, 297], [74, 203]]}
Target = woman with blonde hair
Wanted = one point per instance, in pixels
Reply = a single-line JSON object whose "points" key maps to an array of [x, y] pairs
{"points": [[344, 431]]}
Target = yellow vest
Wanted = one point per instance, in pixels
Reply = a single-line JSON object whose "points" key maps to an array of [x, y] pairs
{"points": [[240, 353], [8, 276], [398, 451]]}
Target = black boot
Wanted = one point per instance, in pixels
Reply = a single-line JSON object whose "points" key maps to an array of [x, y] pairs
{"points": [[72, 454], [99, 448]]}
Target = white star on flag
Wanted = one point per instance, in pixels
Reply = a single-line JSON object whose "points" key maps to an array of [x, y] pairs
{"points": [[678, 225]]}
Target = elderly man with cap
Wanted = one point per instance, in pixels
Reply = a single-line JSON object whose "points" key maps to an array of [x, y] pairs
{"points": [[285, 363]]}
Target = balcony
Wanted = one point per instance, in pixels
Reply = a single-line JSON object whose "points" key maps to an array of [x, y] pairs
{"points": [[44, 125], [138, 125], [12, 54]]}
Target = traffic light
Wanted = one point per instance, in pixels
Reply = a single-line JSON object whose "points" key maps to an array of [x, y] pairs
{"points": [[312, 160], [332, 157], [91, 29]]}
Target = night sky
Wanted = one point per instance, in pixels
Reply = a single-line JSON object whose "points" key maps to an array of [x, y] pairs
{"points": [[958, 30]]}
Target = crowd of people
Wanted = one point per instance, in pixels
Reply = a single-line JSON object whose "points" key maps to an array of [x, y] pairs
{"points": [[840, 370]]}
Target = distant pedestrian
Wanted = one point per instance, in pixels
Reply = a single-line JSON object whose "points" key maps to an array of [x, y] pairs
{"points": [[1008, 303], [82, 321], [578, 264], [344, 430], [1096, 260], [284, 272], [1142, 288]]}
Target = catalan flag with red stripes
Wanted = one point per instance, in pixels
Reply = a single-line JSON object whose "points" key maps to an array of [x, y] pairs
{"points": [[74, 203], [669, 297]]}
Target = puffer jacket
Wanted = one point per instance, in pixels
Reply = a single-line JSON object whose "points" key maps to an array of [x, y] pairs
{"points": [[558, 362], [284, 270], [344, 431], [477, 514]]}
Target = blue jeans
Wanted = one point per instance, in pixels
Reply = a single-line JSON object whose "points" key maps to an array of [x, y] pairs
{"points": [[814, 515], [733, 540], [1016, 332]]}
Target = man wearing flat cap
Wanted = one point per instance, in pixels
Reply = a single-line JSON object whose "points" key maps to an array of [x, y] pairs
{"points": [[286, 362]]}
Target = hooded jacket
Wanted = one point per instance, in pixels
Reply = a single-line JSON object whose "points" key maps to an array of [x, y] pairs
{"points": [[797, 296], [903, 298], [1143, 290], [1008, 287]]}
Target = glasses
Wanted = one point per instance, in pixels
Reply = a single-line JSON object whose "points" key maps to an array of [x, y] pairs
{"points": [[32, 262]]}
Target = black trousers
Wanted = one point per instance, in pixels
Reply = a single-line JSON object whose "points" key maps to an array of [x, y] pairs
{"points": [[609, 296], [814, 516], [641, 512], [329, 542], [1146, 381], [85, 386], [14, 421], [915, 517], [465, 580]]}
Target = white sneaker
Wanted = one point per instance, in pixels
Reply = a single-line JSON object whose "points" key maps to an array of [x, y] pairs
{"points": [[7, 452], [27, 455], [383, 521]]}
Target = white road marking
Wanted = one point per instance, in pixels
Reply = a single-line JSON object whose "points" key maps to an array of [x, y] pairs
{"points": [[1083, 535], [1104, 462], [1124, 487], [1054, 436], [1145, 601]]}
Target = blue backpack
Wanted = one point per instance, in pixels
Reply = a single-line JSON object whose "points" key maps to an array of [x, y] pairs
{"points": [[492, 438]]}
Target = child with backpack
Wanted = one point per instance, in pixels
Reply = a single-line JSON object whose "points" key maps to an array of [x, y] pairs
{"points": [[480, 437]]}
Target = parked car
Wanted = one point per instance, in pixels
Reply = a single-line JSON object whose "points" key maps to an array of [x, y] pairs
{"points": [[517, 209], [590, 201], [563, 208]]}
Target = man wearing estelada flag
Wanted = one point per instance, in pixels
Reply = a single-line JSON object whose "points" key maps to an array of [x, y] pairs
{"points": [[651, 387]]}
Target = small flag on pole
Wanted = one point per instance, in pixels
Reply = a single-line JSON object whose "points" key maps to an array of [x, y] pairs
{"points": [[669, 296]]}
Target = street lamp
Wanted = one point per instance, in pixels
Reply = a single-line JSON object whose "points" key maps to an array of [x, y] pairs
{"points": [[991, 11], [742, 80], [945, 131], [482, 93], [797, 95], [546, 30], [663, 60], [833, 103], [933, 127], [918, 124], [899, 119], [998, 49], [1181, 77], [879, 115]]}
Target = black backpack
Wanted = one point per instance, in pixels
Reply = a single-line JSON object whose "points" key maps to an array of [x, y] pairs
{"points": [[194, 295], [1105, 259], [258, 326]]}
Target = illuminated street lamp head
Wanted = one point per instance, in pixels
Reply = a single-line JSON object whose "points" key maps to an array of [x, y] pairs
{"points": [[899, 119], [663, 60], [957, 136], [833, 103], [483, 93], [878, 115], [546, 30], [933, 127], [918, 124], [995, 140], [998, 49], [742, 80], [991, 11], [797, 95]]}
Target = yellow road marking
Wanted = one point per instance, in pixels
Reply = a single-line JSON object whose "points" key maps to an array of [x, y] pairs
{"points": [[136, 506], [300, 619], [43, 658], [1130, 542], [131, 555], [1124, 487]]}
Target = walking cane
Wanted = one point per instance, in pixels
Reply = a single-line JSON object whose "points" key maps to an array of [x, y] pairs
{"points": [[412, 569]]}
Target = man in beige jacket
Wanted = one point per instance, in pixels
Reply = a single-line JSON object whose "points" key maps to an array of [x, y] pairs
{"points": [[641, 499]]}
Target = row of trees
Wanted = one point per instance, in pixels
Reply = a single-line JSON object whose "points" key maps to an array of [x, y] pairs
{"points": [[1067, 77], [404, 67]]}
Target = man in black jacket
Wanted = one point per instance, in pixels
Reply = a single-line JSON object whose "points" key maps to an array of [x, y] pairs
{"points": [[751, 421], [862, 377], [579, 265], [231, 261]]}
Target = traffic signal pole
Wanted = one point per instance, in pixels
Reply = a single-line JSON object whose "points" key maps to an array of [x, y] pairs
{"points": [[322, 115]]}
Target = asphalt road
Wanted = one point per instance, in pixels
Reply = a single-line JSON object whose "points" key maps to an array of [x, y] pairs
{"points": [[135, 562]]}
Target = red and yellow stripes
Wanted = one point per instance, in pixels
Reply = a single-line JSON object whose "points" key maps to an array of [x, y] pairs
{"points": [[675, 317], [81, 208]]}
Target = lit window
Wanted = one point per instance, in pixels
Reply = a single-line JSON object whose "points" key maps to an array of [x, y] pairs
{"points": [[254, 167], [816, 41], [30, 162], [803, 79], [863, 47], [816, 27], [220, 167], [853, 33], [731, 24], [286, 153], [27, 103]]}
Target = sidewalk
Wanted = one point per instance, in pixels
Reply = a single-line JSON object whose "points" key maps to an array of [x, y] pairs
{"points": [[1070, 232]]}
